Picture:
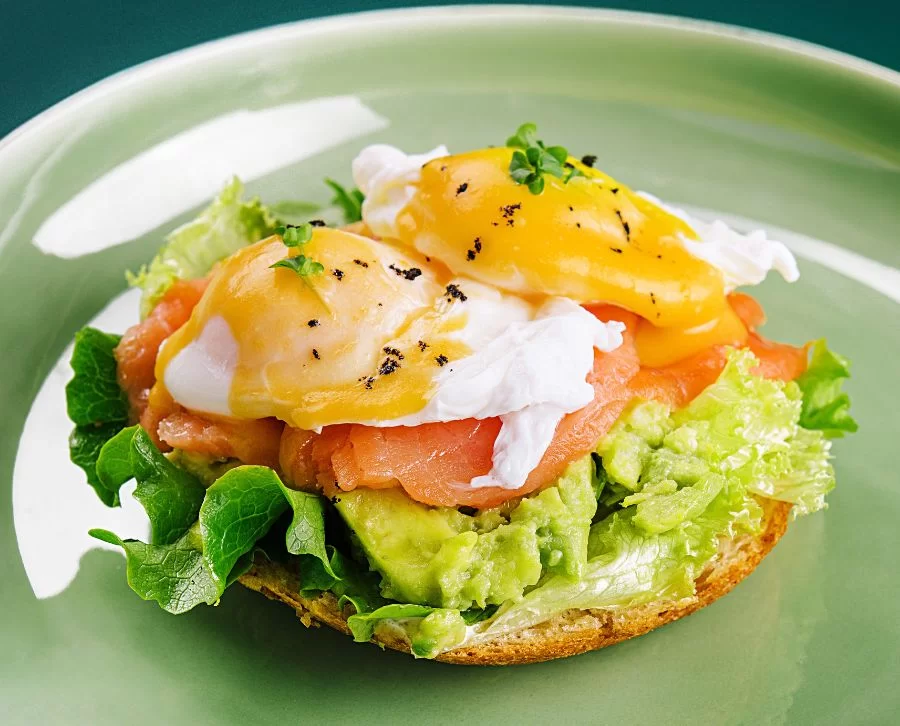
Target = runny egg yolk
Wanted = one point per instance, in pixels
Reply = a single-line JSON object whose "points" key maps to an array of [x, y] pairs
{"points": [[659, 347], [591, 239], [358, 342]]}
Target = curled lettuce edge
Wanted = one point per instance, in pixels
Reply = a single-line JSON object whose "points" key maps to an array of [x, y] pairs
{"points": [[190, 251]]}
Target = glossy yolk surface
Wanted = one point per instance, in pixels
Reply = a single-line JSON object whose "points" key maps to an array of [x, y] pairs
{"points": [[658, 347], [313, 351], [592, 239]]}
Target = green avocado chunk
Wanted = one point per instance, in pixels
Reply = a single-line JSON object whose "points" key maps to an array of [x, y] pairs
{"points": [[441, 557]]}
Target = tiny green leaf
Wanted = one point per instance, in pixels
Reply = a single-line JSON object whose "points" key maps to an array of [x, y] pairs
{"points": [[302, 265], [524, 137], [532, 160], [559, 153], [294, 236], [350, 201]]}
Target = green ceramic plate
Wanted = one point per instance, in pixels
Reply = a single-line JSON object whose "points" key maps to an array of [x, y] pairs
{"points": [[761, 129]]}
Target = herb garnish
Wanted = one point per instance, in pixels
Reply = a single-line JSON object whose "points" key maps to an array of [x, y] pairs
{"points": [[302, 265], [532, 160], [349, 200], [295, 236]]}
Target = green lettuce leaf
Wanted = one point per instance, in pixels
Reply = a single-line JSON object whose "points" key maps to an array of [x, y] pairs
{"points": [[95, 404], [170, 495], [174, 575], [190, 251], [740, 435], [808, 476], [85, 444], [93, 396], [238, 510], [305, 535], [825, 407], [197, 567], [351, 582]]}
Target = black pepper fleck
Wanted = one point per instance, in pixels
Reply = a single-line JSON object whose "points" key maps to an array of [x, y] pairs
{"points": [[360, 263], [441, 360], [571, 208], [454, 293], [316, 354], [339, 274], [653, 298], [509, 212], [313, 323], [617, 250], [615, 190], [317, 223], [476, 248], [589, 160], [393, 351], [388, 366], [422, 345], [624, 225], [368, 382], [461, 188], [411, 274], [578, 224]]}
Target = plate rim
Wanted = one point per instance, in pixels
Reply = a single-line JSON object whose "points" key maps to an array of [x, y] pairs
{"points": [[432, 15]]}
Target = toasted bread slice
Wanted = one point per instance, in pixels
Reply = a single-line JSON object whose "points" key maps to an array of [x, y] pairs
{"points": [[568, 633]]}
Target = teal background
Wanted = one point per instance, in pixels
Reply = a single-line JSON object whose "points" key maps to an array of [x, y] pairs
{"points": [[52, 48]]}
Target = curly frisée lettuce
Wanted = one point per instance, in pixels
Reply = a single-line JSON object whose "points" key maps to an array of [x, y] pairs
{"points": [[190, 251]]}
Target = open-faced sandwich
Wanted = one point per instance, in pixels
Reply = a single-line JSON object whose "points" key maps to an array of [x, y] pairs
{"points": [[508, 410]]}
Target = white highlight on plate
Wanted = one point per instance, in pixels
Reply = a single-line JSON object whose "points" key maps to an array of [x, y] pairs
{"points": [[53, 506], [871, 273], [186, 170]]}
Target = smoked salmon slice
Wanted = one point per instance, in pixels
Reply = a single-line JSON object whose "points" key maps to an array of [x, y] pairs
{"points": [[137, 351], [251, 442]]}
